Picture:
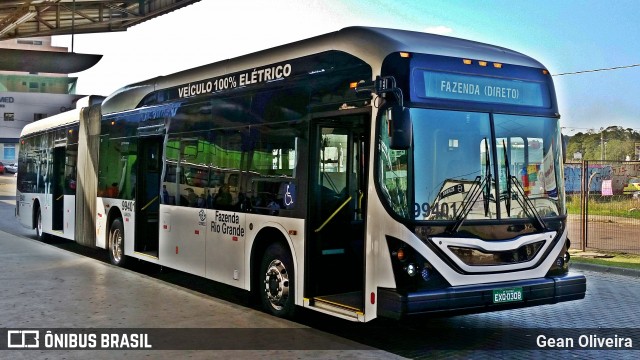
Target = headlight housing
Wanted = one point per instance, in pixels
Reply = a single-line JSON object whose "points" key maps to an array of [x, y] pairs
{"points": [[411, 270]]}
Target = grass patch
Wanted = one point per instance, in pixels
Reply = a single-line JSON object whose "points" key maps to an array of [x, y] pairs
{"points": [[617, 205], [627, 261]]}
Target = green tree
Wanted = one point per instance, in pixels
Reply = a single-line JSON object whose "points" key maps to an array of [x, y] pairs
{"points": [[616, 141]]}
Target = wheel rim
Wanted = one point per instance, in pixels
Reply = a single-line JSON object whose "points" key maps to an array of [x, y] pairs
{"points": [[276, 284], [39, 225], [116, 245]]}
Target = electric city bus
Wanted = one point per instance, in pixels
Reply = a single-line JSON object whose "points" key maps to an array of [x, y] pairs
{"points": [[362, 173], [47, 182]]}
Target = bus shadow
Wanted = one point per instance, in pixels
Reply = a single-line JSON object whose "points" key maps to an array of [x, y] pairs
{"points": [[169, 275]]}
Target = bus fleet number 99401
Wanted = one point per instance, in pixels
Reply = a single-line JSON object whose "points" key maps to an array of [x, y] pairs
{"points": [[442, 211]]}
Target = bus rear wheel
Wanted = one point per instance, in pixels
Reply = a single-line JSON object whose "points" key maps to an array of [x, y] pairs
{"points": [[277, 281], [116, 243], [39, 233]]}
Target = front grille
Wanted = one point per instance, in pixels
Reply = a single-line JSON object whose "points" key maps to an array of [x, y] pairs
{"points": [[476, 257]]}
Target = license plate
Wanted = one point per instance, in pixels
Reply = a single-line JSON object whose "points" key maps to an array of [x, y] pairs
{"points": [[507, 295]]}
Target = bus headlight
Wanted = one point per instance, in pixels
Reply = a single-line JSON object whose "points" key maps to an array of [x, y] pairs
{"points": [[411, 269], [560, 265]]}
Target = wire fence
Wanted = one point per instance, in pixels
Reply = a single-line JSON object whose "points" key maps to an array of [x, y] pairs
{"points": [[603, 202]]}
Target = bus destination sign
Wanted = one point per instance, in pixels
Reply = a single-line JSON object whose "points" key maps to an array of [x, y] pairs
{"points": [[450, 86]]}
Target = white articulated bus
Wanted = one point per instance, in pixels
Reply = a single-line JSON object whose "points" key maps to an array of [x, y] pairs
{"points": [[362, 173]]}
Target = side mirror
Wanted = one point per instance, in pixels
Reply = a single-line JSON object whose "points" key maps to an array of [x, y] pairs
{"points": [[400, 127]]}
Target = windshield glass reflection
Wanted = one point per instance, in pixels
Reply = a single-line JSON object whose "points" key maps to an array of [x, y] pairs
{"points": [[459, 170]]}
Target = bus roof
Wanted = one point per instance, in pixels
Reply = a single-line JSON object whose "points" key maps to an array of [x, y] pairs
{"points": [[52, 122], [62, 119], [370, 44]]}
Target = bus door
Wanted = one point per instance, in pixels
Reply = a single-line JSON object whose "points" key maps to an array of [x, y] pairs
{"points": [[57, 188], [336, 235], [148, 169]]}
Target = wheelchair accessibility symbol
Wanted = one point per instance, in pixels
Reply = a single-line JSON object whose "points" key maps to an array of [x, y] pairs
{"points": [[289, 196]]}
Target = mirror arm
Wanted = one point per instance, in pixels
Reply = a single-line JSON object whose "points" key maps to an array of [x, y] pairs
{"points": [[381, 85]]}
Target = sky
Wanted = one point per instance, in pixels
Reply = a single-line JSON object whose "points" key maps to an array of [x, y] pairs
{"points": [[566, 36]]}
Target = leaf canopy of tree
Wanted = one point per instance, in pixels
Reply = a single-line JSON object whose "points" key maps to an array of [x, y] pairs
{"points": [[619, 143]]}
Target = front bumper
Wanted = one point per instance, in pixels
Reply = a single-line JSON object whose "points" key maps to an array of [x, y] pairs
{"points": [[479, 298]]}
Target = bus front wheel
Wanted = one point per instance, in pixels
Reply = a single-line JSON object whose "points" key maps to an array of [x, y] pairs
{"points": [[277, 281], [116, 243], [39, 233]]}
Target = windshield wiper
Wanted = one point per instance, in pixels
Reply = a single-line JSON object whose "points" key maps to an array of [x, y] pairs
{"points": [[527, 205], [481, 184], [487, 177], [508, 171], [467, 203], [521, 197]]}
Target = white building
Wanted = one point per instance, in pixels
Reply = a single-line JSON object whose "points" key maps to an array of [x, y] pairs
{"points": [[29, 96]]}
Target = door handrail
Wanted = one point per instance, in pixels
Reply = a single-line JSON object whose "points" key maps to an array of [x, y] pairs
{"points": [[149, 203], [333, 215]]}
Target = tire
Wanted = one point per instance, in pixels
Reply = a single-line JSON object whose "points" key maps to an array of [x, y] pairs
{"points": [[116, 243], [38, 222], [277, 284]]}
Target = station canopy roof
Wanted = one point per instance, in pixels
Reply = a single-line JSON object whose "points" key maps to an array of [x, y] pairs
{"points": [[30, 18], [34, 18]]}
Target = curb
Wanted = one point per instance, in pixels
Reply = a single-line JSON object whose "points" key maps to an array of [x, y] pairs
{"points": [[606, 269]]}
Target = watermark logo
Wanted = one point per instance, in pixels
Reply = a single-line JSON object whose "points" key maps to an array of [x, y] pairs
{"points": [[74, 339], [23, 339]]}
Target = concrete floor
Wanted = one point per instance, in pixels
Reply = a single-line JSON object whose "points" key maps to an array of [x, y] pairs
{"points": [[47, 288]]}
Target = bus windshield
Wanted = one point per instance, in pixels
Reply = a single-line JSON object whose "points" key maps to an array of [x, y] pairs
{"points": [[474, 166]]}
